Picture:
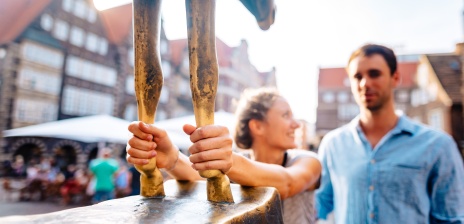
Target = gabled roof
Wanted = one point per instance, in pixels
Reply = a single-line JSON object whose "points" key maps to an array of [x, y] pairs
{"points": [[335, 77], [447, 67], [223, 52], [118, 22], [16, 15]]}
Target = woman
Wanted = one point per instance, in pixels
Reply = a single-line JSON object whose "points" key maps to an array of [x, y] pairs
{"points": [[267, 127]]}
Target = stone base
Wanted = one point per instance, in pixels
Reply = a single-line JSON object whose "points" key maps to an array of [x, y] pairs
{"points": [[185, 202]]}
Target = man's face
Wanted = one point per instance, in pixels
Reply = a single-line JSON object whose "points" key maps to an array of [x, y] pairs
{"points": [[371, 81]]}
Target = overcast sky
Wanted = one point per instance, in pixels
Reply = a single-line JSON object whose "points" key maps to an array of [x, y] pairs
{"points": [[310, 34]]}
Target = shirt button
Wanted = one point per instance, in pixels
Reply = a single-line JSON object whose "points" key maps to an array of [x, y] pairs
{"points": [[371, 215], [371, 187], [372, 161]]}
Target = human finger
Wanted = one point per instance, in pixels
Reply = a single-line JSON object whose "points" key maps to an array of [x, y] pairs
{"points": [[208, 131], [211, 143], [140, 144], [140, 154], [135, 129]]}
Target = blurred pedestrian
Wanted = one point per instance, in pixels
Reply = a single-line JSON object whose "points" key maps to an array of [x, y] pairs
{"points": [[383, 167], [134, 180], [104, 169]]}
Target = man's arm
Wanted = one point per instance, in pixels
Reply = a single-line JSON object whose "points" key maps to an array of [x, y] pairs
{"points": [[324, 195], [447, 186]]}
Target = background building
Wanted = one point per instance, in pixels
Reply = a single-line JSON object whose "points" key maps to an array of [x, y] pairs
{"points": [[61, 59]]}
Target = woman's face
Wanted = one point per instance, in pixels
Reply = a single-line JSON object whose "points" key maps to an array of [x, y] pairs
{"points": [[279, 125]]}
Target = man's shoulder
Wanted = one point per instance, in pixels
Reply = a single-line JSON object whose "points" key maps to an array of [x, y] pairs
{"points": [[425, 131]]}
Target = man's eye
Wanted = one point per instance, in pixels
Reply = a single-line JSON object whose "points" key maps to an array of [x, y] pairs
{"points": [[374, 73]]}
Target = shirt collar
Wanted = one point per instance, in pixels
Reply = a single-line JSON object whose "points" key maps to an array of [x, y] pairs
{"points": [[404, 125]]}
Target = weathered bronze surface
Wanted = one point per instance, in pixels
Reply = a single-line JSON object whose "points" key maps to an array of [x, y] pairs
{"points": [[148, 82], [263, 10], [203, 81], [184, 203]]}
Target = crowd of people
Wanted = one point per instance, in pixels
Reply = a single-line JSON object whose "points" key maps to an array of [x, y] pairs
{"points": [[105, 178]]}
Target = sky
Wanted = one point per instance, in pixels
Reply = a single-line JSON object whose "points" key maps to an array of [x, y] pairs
{"points": [[309, 34]]}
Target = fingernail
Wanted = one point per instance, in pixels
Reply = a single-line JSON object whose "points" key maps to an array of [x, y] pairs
{"points": [[146, 125], [153, 154], [145, 161]]}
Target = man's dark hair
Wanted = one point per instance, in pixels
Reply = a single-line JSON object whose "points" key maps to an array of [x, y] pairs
{"points": [[371, 49]]}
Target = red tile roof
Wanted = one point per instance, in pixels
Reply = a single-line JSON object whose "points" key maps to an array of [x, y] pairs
{"points": [[334, 77], [16, 15], [118, 22], [177, 48]]}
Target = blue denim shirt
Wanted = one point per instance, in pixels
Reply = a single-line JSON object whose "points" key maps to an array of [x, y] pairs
{"points": [[413, 175]]}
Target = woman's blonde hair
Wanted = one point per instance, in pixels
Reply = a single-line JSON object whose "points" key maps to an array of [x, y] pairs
{"points": [[253, 104]]}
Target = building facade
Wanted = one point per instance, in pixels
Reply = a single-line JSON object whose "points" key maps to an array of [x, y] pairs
{"points": [[62, 59]]}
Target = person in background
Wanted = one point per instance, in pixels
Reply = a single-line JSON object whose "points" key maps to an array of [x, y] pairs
{"points": [[267, 127], [134, 181], [383, 167], [104, 169], [122, 181]]}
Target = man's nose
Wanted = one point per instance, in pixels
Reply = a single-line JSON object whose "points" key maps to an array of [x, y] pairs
{"points": [[365, 82]]}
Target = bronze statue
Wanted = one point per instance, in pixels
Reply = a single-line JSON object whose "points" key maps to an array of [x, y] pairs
{"points": [[203, 76]]}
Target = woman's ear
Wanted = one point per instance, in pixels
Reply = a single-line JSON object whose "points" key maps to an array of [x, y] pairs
{"points": [[255, 127]]}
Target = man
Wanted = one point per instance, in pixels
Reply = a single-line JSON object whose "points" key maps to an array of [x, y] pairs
{"points": [[104, 170], [383, 167]]}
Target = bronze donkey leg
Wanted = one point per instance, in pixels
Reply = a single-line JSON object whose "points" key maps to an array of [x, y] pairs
{"points": [[148, 82], [203, 82]]}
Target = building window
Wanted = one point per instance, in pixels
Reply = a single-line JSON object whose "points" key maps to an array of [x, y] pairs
{"points": [[91, 71], [39, 80], [164, 47], [77, 36], [131, 57], [347, 111], [92, 42], [67, 5], [402, 96], [130, 113], [342, 97], [328, 97], [164, 97], [35, 111], [81, 102], [103, 46], [435, 119], [42, 55], [80, 9], [166, 69], [92, 16], [130, 85], [184, 87], [61, 30], [46, 22]]}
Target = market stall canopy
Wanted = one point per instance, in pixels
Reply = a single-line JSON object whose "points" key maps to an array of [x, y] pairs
{"points": [[105, 128], [96, 128]]}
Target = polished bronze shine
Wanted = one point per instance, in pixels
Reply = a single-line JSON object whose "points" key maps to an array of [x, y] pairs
{"points": [[203, 82], [148, 82]]}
